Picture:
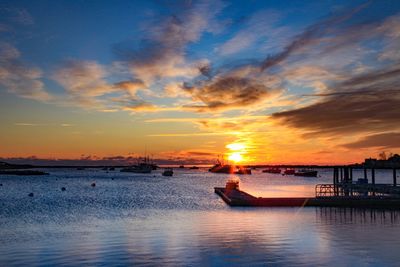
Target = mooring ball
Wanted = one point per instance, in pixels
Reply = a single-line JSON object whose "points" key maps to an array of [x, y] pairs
{"points": [[112, 178], [93, 184], [1, 184], [30, 194], [63, 189]]}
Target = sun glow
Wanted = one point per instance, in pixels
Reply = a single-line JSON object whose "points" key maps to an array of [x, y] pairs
{"points": [[235, 157], [236, 147], [236, 152]]}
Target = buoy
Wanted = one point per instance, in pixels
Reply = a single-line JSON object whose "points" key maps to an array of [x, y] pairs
{"points": [[112, 178], [63, 189], [93, 184], [1, 184], [30, 194]]}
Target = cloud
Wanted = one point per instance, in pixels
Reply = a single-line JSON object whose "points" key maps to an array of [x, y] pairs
{"points": [[384, 141], [228, 93], [260, 25], [309, 37], [365, 103], [26, 124], [16, 15], [132, 86], [161, 53], [84, 78], [19, 78], [86, 85]]}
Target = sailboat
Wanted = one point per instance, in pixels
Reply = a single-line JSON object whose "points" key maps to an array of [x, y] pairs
{"points": [[144, 165]]}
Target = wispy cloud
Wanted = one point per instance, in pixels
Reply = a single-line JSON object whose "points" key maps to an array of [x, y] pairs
{"points": [[19, 78], [162, 50], [259, 26], [26, 124]]}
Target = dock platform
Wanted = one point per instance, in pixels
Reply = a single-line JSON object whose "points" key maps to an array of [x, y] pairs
{"points": [[236, 197]]}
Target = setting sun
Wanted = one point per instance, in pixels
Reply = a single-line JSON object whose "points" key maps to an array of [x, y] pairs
{"points": [[238, 149], [236, 157]]}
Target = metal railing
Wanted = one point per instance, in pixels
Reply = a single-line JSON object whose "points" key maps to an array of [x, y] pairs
{"points": [[356, 190]]}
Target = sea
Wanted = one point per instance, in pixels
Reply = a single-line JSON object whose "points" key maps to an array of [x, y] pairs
{"points": [[130, 219]]}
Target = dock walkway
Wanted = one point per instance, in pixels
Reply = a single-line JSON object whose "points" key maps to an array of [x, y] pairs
{"points": [[236, 197]]}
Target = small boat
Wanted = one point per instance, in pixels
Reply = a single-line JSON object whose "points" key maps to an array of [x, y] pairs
{"points": [[289, 172], [222, 168], [181, 167], [306, 173], [112, 169], [194, 168], [242, 170], [144, 166], [80, 168], [141, 168], [105, 169], [168, 172], [272, 170]]}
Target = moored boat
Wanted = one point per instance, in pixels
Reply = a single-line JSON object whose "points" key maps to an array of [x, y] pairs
{"points": [[289, 172], [222, 168], [272, 170], [144, 166], [168, 172], [306, 173], [243, 170]]}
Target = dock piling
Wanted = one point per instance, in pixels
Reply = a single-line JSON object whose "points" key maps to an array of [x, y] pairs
{"points": [[373, 180]]}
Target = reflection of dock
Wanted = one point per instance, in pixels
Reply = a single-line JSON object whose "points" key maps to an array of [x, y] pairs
{"points": [[342, 193]]}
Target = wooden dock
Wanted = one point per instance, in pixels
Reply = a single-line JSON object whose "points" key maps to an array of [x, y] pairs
{"points": [[343, 192], [236, 197]]}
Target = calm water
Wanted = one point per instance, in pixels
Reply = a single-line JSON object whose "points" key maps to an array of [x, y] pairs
{"points": [[132, 219]]}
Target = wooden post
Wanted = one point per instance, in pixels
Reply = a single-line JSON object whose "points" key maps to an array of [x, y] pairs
{"points": [[341, 174], [373, 176], [394, 177], [334, 175], [365, 174], [373, 180], [351, 175]]}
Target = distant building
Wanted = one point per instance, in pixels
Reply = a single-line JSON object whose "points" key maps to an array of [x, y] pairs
{"points": [[391, 162]]}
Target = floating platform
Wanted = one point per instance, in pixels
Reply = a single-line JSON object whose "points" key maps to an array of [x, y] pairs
{"points": [[236, 197]]}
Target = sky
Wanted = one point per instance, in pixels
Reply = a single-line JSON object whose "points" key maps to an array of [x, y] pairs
{"points": [[258, 82]]}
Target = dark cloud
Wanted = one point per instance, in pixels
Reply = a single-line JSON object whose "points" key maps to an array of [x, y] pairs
{"points": [[228, 93], [200, 153], [366, 103], [385, 141]]}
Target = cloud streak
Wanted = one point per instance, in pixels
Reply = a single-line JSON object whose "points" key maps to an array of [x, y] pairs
{"points": [[19, 78], [366, 103], [388, 140]]}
